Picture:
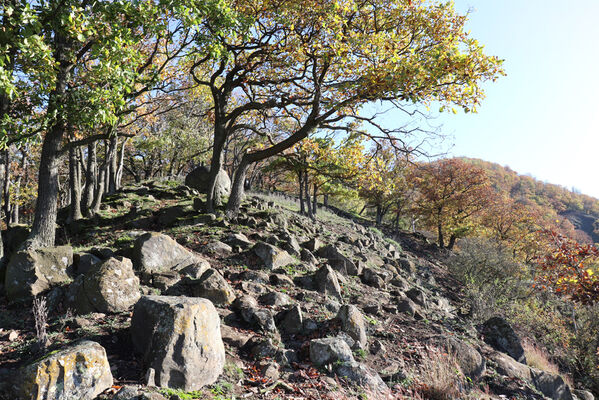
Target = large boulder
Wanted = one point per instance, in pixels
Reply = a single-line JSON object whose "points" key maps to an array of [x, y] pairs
{"points": [[352, 323], [329, 351], [211, 285], [326, 281], [272, 256], [361, 375], [77, 372], [108, 287], [31, 272], [199, 178], [471, 362], [179, 339], [158, 253], [499, 334], [338, 260], [552, 386]]}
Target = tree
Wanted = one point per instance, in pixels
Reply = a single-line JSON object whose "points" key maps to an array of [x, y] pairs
{"points": [[311, 65], [570, 269], [451, 192]]}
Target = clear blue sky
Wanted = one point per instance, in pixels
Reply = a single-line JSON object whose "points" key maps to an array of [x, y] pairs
{"points": [[543, 117]]}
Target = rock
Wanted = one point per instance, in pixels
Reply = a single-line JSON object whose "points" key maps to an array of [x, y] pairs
{"points": [[276, 299], [272, 256], [499, 334], [255, 276], [312, 245], [31, 272], [393, 372], [407, 306], [511, 368], [293, 320], [280, 280], [165, 280], [109, 287], [417, 296], [211, 285], [233, 337], [329, 351], [361, 375], [13, 336], [352, 323], [253, 288], [199, 178], [219, 248], [377, 347], [468, 358], [372, 278], [180, 338], [584, 395], [156, 253], [307, 257], [82, 263], [552, 386], [407, 265], [239, 239], [291, 244], [338, 260], [80, 371], [326, 282], [248, 310], [169, 216], [269, 370], [129, 392]]}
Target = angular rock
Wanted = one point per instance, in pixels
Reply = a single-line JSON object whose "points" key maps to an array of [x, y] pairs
{"points": [[82, 263], [468, 358], [276, 299], [218, 247], [552, 386], [109, 287], [361, 375], [179, 337], [417, 296], [509, 367], [499, 334], [313, 244], [352, 323], [80, 371], [248, 310], [156, 253], [31, 272], [199, 178], [272, 256], [239, 239], [407, 306], [326, 281], [293, 320], [329, 351], [211, 285], [583, 395], [338, 260], [307, 257], [372, 278]]}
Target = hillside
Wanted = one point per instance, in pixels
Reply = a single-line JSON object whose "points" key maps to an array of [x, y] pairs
{"points": [[326, 309], [581, 210]]}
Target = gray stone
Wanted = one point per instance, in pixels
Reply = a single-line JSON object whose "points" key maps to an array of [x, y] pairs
{"points": [[109, 287], [499, 334], [199, 179], [156, 253], [361, 375], [338, 260], [352, 323], [180, 338], [511, 368], [272, 256], [407, 306], [239, 239], [468, 358], [217, 247], [372, 278], [293, 321], [248, 310], [326, 281], [417, 296], [307, 257], [80, 371], [276, 299], [31, 272], [552, 386], [82, 263], [584, 395], [211, 285], [313, 244], [329, 351]]}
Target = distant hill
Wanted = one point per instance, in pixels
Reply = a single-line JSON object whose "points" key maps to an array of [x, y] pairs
{"points": [[581, 210]]}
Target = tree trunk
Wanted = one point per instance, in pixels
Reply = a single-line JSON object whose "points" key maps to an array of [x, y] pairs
{"points": [[91, 179], [215, 166], [100, 190], [74, 185], [2, 168], [325, 200], [307, 193], [315, 200], [452, 240], [113, 164], [43, 231], [6, 186], [15, 211], [440, 234], [379, 215], [237, 188], [119, 171], [300, 178]]}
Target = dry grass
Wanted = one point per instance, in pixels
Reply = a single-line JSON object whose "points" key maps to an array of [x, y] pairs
{"points": [[538, 358], [438, 376]]}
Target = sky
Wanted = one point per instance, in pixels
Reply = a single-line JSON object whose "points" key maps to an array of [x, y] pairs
{"points": [[542, 118]]}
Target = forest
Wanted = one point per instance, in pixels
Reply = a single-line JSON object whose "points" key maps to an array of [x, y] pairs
{"points": [[219, 101]]}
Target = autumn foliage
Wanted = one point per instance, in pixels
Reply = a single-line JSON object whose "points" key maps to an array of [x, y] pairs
{"points": [[570, 269]]}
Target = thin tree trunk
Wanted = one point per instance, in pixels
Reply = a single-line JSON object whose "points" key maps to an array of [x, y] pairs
{"points": [[2, 168], [315, 200], [6, 186], [15, 211], [300, 178], [325, 200], [113, 165], [215, 166], [440, 234], [90, 179], [119, 172], [452, 240], [74, 185], [379, 214], [307, 193]]}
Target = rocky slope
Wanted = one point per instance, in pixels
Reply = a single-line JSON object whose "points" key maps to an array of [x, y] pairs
{"points": [[272, 305]]}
